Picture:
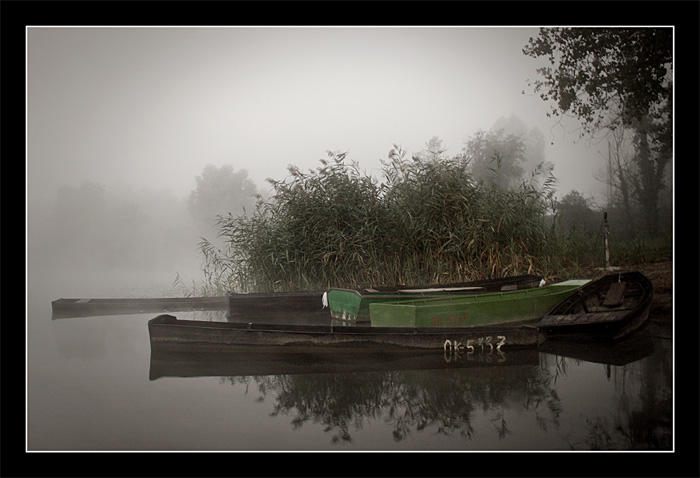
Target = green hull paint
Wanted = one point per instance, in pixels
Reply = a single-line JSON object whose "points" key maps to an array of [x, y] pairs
{"points": [[351, 304], [473, 310], [348, 304]]}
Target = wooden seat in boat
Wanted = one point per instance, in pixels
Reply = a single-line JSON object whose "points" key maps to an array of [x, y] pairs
{"points": [[615, 294]]}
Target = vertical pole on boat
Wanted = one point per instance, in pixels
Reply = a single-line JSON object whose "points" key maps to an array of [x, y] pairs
{"points": [[607, 243]]}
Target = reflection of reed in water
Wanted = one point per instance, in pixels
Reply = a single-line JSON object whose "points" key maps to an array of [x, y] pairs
{"points": [[464, 394], [410, 401]]}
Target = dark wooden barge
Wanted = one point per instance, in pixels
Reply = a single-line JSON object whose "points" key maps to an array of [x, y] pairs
{"points": [[260, 306], [168, 331]]}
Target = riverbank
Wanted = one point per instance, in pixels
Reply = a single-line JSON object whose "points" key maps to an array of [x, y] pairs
{"points": [[661, 275]]}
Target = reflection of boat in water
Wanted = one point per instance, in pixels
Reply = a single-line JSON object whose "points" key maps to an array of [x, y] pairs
{"points": [[244, 361], [168, 331], [406, 390], [65, 308], [627, 350]]}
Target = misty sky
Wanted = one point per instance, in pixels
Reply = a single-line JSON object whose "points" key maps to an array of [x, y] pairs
{"points": [[153, 106]]}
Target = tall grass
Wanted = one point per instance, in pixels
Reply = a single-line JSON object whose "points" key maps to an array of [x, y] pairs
{"points": [[428, 222], [319, 228], [455, 228]]}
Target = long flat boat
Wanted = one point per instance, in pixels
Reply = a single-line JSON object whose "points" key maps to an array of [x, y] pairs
{"points": [[353, 304], [257, 306], [169, 332], [475, 310], [609, 308], [66, 308]]}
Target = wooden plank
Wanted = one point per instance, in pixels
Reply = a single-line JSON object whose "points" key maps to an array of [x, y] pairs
{"points": [[615, 294], [66, 308], [568, 320]]}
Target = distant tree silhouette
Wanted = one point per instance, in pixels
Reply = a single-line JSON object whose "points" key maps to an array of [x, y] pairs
{"points": [[221, 191], [495, 157]]}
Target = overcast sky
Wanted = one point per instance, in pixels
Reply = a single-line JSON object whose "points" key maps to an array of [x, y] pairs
{"points": [[153, 106]]}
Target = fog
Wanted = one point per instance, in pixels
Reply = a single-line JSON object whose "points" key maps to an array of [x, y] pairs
{"points": [[122, 120]]}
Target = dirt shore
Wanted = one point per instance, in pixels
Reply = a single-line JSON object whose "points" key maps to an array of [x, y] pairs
{"points": [[661, 275]]}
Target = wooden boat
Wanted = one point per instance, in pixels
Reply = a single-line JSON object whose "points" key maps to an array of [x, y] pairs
{"points": [[609, 308], [65, 308], [353, 304], [475, 310], [258, 306], [168, 332]]}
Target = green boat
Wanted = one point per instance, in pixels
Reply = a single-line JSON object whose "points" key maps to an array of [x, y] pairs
{"points": [[474, 310], [353, 304]]}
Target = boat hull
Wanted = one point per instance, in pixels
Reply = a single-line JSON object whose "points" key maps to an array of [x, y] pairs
{"points": [[353, 304], [168, 332], [259, 306], [476, 310], [593, 313]]}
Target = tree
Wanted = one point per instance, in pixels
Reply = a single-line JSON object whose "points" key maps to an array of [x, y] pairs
{"points": [[220, 191], [611, 78], [604, 77], [575, 212], [619, 175], [533, 141], [496, 157], [434, 150]]}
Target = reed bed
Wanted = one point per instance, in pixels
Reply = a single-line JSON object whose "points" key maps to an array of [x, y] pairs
{"points": [[428, 221]]}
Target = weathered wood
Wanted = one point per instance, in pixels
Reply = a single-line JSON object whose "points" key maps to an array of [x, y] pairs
{"points": [[168, 331], [66, 308], [260, 306], [581, 318], [615, 294], [610, 308]]}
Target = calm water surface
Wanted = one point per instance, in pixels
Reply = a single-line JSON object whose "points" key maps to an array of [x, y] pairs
{"points": [[94, 384]]}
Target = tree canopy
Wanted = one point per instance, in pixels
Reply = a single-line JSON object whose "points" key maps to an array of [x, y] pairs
{"points": [[615, 78], [604, 76]]}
